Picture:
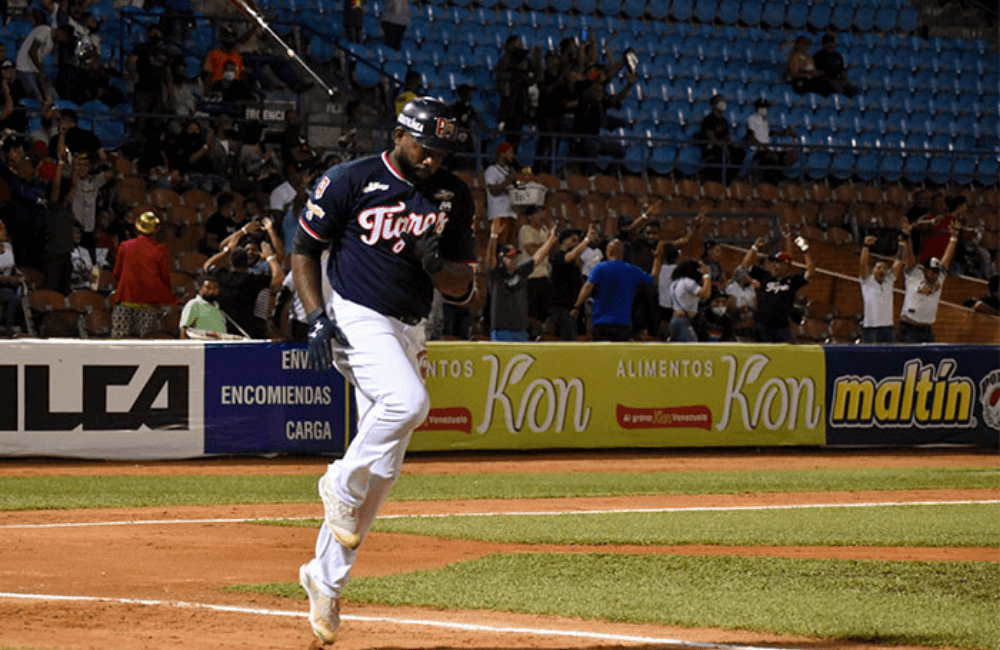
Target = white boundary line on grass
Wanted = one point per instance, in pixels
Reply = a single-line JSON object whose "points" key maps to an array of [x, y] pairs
{"points": [[464, 627], [153, 522]]}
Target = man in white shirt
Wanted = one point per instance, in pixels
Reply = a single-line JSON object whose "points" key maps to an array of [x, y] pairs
{"points": [[34, 50], [759, 133], [498, 177], [876, 291], [923, 289]]}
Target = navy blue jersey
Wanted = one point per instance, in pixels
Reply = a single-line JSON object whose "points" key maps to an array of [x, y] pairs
{"points": [[362, 208]]}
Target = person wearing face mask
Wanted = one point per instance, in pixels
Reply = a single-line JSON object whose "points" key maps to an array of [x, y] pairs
{"points": [[772, 160], [713, 323], [214, 68], [231, 88], [149, 70], [718, 153], [742, 294], [202, 312], [876, 291]]}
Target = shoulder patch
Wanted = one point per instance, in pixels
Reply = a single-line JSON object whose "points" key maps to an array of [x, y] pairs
{"points": [[321, 187]]}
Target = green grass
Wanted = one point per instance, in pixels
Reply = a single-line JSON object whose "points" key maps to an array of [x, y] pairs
{"points": [[935, 526], [49, 492], [925, 603]]}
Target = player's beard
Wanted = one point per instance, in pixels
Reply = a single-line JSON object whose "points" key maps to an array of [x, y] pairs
{"points": [[413, 172]]}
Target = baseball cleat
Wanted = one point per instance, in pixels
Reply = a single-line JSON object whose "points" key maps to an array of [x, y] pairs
{"points": [[341, 519], [324, 611]]}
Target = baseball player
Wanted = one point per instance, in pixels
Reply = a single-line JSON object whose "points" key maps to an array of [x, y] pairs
{"points": [[396, 225]]}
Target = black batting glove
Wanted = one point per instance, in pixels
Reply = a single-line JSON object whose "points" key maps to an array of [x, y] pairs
{"points": [[427, 250], [323, 336]]}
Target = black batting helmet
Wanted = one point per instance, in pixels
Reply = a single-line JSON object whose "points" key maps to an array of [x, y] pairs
{"points": [[431, 123]]}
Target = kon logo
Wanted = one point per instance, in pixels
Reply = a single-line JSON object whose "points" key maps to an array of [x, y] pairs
{"points": [[159, 403], [542, 404]]}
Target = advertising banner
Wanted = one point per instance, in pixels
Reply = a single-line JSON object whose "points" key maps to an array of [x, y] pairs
{"points": [[101, 399], [912, 395], [568, 395], [261, 398]]}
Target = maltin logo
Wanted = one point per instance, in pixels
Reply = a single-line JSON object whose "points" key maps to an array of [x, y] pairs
{"points": [[923, 396]]}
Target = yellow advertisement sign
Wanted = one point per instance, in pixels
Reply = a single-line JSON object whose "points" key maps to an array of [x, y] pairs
{"points": [[560, 395]]}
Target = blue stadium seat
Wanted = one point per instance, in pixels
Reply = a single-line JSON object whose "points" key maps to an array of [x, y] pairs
{"points": [[774, 13], [585, 7], [705, 11], [842, 165], [864, 18], [885, 19], [986, 170], [17, 29], [908, 19], [915, 168], [681, 10], [964, 170], [867, 165], [843, 16], [636, 158], [662, 157], [658, 10], [819, 14], [750, 13], [891, 166], [688, 160], [729, 12], [797, 15], [939, 169], [634, 8], [817, 164]]}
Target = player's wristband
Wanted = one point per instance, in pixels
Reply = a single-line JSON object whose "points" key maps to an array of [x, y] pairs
{"points": [[315, 314]]}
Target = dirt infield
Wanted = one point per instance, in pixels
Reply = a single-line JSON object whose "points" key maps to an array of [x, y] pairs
{"points": [[176, 561]]}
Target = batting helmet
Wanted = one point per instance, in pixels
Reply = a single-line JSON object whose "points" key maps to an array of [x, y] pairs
{"points": [[431, 123], [147, 223]]}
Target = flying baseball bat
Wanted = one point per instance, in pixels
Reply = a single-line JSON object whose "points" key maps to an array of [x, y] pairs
{"points": [[251, 12]]}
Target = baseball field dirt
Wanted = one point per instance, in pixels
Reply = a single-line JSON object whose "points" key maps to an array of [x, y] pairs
{"points": [[155, 579]]}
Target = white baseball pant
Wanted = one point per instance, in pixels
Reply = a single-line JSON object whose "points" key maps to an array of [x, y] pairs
{"points": [[383, 363]]}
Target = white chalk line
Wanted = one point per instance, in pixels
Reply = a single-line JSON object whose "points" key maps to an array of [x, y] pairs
{"points": [[551, 513], [464, 627]]}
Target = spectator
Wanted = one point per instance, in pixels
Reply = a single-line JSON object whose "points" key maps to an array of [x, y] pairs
{"points": [[530, 238], [78, 141], [509, 286], [935, 229], [555, 100], [223, 222], [517, 71], [395, 20], [410, 91], [298, 322], [713, 323], [224, 147], [293, 146], [202, 312], [257, 246], [95, 83], [567, 280], [590, 115], [877, 292], [48, 125], [215, 61], [142, 274], [58, 222], [712, 257], [801, 71], [257, 167], [691, 283], [778, 287], [25, 212], [35, 49], [85, 185], [81, 262], [192, 157], [148, 69], [613, 284], [231, 89], [830, 62], [288, 198], [239, 289], [718, 152], [989, 302], [11, 280], [773, 160], [498, 177], [12, 113], [469, 125], [742, 294], [354, 20], [924, 282]]}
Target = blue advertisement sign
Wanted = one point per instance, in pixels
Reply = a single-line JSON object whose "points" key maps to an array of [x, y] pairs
{"points": [[912, 395], [261, 398]]}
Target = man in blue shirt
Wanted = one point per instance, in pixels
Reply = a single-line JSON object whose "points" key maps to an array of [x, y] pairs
{"points": [[613, 284]]}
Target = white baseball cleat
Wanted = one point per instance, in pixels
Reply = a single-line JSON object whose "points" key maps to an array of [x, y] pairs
{"points": [[341, 519], [324, 611]]}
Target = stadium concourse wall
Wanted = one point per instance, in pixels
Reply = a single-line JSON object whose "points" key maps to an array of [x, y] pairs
{"points": [[139, 400]]}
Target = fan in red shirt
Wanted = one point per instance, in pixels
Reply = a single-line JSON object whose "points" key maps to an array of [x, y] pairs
{"points": [[937, 227], [142, 273]]}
